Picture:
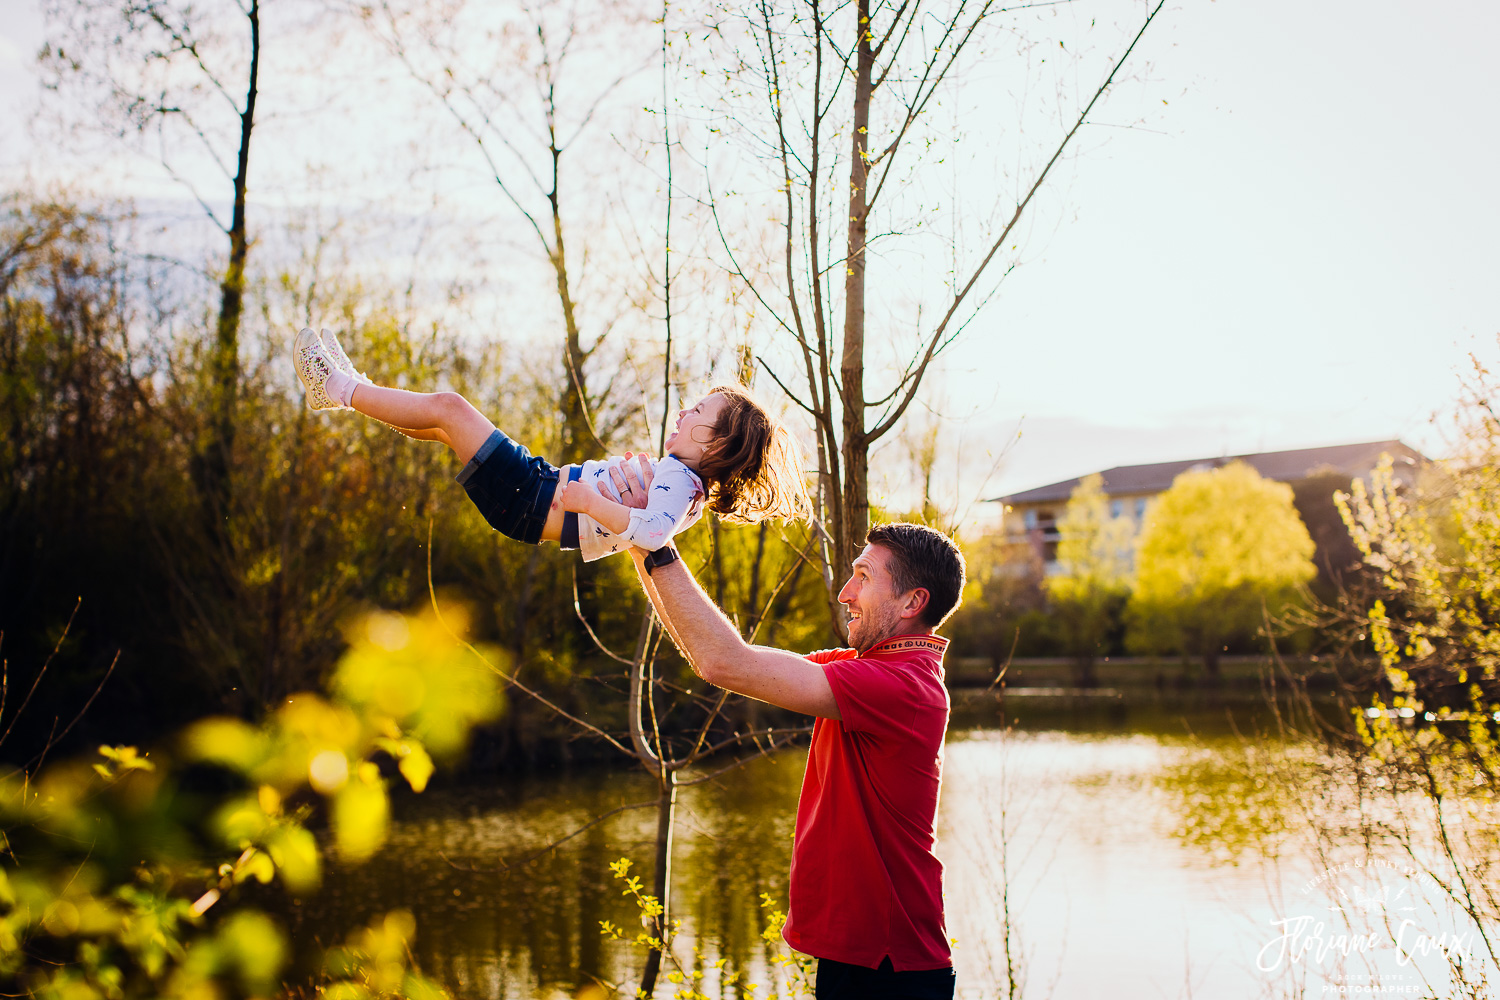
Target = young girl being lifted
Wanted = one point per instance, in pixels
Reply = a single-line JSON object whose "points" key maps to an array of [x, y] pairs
{"points": [[726, 453]]}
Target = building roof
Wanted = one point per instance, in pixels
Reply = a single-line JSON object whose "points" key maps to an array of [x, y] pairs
{"points": [[1350, 460]]}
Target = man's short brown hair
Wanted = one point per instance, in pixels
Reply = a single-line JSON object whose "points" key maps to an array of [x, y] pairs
{"points": [[923, 557]]}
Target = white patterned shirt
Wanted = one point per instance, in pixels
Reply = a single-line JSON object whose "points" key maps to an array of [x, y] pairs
{"points": [[675, 503]]}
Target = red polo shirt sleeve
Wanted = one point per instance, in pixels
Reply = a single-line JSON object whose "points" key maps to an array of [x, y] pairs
{"points": [[875, 697]]}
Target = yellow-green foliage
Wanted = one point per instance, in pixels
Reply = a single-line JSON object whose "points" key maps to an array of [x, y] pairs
{"points": [[1436, 613], [120, 881], [1219, 546], [373, 964], [1094, 552], [1434, 620], [1094, 548], [793, 970]]}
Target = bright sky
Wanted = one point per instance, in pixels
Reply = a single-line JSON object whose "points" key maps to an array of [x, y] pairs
{"points": [[1304, 258], [1297, 249]]}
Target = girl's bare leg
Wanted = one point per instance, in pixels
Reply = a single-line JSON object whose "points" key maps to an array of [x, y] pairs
{"points": [[425, 434], [552, 528], [439, 416], [435, 416]]}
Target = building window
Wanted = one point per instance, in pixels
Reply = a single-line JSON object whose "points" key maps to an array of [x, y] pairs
{"points": [[1030, 519], [1116, 508], [1140, 508]]}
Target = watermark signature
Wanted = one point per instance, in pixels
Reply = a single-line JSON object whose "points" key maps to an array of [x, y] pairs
{"points": [[1381, 984], [1313, 938]]}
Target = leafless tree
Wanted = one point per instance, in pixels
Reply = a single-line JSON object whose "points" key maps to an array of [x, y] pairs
{"points": [[648, 743], [185, 77], [531, 120], [845, 91], [523, 83]]}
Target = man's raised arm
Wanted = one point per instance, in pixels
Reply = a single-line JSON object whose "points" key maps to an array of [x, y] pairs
{"points": [[720, 656], [711, 643]]}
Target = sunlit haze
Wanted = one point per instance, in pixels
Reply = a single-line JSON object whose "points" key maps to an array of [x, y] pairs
{"points": [[1278, 233]]}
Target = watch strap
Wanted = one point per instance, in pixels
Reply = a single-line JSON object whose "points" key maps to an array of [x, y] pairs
{"points": [[660, 557]]}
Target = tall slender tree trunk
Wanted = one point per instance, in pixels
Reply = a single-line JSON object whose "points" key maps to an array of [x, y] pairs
{"points": [[666, 801], [224, 358], [653, 759], [855, 514], [1211, 662], [752, 616], [661, 883], [577, 428]]}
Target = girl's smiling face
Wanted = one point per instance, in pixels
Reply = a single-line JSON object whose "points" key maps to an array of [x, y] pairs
{"points": [[695, 429]]}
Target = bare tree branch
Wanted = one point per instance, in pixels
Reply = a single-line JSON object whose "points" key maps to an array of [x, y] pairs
{"points": [[931, 84], [885, 426], [58, 738], [57, 647], [599, 643], [765, 751], [789, 394], [398, 48], [509, 678], [185, 44], [554, 845]]}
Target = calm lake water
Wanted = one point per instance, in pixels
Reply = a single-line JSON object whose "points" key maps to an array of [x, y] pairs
{"points": [[1127, 844]]}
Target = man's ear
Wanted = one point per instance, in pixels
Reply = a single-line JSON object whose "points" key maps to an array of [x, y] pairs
{"points": [[915, 603]]}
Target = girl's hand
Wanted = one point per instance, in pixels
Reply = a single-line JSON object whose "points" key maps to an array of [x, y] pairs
{"points": [[576, 497]]}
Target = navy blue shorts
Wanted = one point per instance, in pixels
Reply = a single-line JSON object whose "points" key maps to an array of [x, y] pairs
{"points": [[511, 487], [569, 539], [842, 981]]}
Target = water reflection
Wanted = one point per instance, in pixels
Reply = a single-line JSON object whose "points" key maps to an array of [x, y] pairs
{"points": [[492, 923], [1093, 845]]}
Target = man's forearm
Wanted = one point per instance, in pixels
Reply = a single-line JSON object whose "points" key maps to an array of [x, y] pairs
{"points": [[721, 656], [648, 584], [696, 624]]}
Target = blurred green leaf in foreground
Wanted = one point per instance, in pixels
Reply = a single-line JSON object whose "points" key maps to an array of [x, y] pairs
{"points": [[120, 876]]}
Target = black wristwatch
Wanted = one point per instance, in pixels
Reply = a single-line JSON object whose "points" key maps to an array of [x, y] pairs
{"points": [[660, 557]]}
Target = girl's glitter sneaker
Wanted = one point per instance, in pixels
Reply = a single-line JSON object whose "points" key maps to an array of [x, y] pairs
{"points": [[335, 352], [313, 368]]}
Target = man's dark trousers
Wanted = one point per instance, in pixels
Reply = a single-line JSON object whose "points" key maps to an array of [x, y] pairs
{"points": [[842, 981]]}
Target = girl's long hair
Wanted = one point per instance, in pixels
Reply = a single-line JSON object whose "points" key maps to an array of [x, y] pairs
{"points": [[753, 469]]}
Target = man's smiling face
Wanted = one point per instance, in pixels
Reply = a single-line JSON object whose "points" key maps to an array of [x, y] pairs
{"points": [[871, 600]]}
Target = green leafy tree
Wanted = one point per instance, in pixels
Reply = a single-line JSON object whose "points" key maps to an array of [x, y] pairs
{"points": [[1089, 595], [1221, 547]]}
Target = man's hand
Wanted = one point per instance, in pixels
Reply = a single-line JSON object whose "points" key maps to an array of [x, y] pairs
{"points": [[632, 478]]}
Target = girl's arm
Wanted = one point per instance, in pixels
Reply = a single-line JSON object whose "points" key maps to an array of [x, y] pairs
{"points": [[582, 498], [633, 480], [667, 499]]}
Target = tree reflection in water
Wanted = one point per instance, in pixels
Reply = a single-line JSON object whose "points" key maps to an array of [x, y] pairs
{"points": [[1148, 843], [488, 930]]}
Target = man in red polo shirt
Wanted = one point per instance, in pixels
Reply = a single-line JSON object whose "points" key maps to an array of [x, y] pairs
{"points": [[866, 889]]}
